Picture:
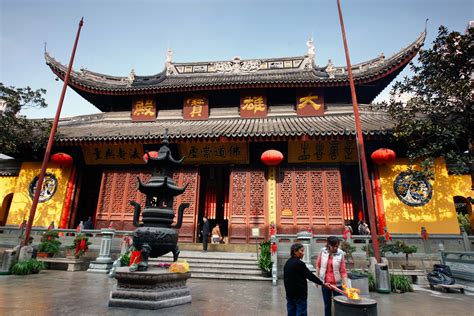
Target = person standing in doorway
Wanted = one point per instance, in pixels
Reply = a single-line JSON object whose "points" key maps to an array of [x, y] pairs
{"points": [[363, 228], [331, 268], [295, 274], [216, 237], [88, 224], [204, 233]]}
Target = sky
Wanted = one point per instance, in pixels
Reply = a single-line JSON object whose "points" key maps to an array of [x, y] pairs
{"points": [[120, 35]]}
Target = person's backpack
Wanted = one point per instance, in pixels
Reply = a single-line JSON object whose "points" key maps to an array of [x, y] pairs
{"points": [[441, 274], [443, 269]]}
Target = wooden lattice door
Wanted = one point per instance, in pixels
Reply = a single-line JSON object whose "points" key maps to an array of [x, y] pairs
{"points": [[182, 177], [309, 198], [119, 187], [247, 204]]}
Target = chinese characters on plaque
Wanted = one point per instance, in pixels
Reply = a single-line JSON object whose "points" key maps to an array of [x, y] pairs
{"points": [[196, 107], [322, 151], [310, 103], [215, 153], [144, 110], [253, 104], [113, 154]]}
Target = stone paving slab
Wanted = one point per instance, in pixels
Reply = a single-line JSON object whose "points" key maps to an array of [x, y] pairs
{"points": [[61, 293]]}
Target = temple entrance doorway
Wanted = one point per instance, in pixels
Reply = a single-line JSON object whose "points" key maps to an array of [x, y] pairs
{"points": [[5, 208], [85, 203], [214, 198]]}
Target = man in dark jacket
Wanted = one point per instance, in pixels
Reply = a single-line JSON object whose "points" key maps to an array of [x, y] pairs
{"points": [[295, 274], [205, 233]]}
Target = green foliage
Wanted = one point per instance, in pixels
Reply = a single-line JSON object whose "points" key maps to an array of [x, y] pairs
{"points": [[125, 258], [265, 260], [371, 280], [49, 242], [401, 246], [80, 245], [400, 283], [384, 247], [349, 249], [465, 223], [21, 137], [435, 121], [29, 266]]}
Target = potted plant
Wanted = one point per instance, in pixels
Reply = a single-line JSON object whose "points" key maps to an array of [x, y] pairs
{"points": [[49, 244], [349, 249], [408, 250], [400, 283], [265, 259], [80, 245], [23, 267]]}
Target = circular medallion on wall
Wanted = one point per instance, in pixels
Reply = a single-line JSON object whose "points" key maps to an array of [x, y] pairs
{"points": [[413, 188], [49, 187]]}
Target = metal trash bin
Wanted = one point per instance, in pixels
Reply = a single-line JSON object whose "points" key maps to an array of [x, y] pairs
{"points": [[360, 281], [382, 278]]}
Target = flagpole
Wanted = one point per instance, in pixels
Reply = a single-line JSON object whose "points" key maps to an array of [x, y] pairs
{"points": [[47, 154], [360, 143]]}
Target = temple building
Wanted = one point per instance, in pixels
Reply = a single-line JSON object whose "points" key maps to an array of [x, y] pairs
{"points": [[221, 116]]}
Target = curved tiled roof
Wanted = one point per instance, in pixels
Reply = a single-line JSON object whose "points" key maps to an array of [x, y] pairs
{"points": [[103, 127], [264, 73]]}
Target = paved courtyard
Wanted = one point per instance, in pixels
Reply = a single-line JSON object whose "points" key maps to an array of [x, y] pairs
{"points": [[81, 293]]}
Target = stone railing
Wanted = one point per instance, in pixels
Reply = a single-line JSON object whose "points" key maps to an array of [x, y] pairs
{"points": [[427, 249], [461, 263], [10, 237]]}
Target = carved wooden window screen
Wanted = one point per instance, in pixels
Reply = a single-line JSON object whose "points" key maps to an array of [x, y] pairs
{"points": [[309, 198], [119, 186], [247, 203]]}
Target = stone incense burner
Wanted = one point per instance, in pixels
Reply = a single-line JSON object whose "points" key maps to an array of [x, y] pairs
{"points": [[155, 236]]}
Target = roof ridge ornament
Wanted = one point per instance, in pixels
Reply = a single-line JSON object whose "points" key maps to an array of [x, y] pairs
{"points": [[131, 77], [169, 62], [311, 49], [310, 55], [330, 69]]}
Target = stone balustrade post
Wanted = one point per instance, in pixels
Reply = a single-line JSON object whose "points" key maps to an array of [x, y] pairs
{"points": [[465, 240], [103, 263], [304, 237], [274, 240]]}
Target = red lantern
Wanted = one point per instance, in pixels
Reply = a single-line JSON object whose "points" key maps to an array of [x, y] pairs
{"points": [[382, 156], [62, 159], [151, 154], [272, 157]]}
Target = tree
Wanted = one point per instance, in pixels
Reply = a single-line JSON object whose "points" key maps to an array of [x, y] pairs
{"points": [[20, 136], [436, 121]]}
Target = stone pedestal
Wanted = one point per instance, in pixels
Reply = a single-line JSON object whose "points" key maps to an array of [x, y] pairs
{"points": [[304, 238], [103, 263], [153, 289], [7, 261]]}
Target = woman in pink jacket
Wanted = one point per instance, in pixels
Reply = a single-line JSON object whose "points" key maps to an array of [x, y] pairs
{"points": [[331, 268]]}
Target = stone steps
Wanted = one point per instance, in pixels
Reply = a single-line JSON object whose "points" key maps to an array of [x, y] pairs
{"points": [[216, 265], [219, 265]]}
